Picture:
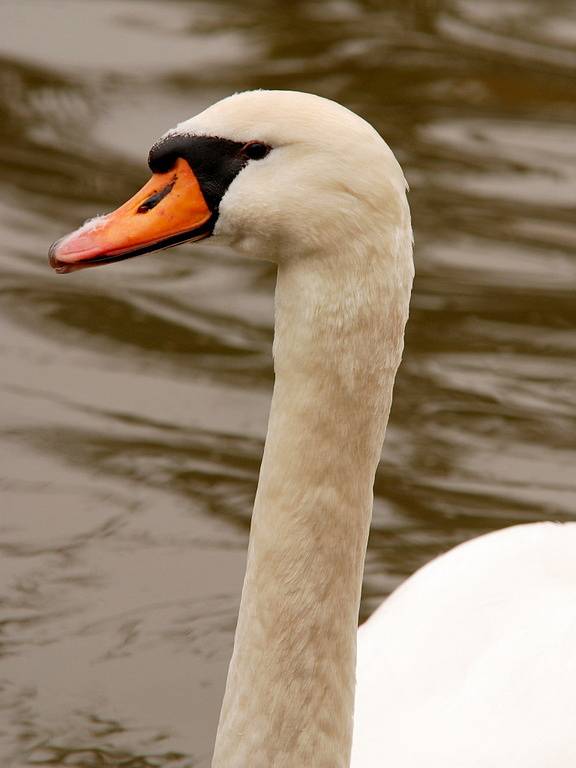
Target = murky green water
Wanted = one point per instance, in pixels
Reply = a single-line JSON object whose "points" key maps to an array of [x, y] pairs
{"points": [[134, 398]]}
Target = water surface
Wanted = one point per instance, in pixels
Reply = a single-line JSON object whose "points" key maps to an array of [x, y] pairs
{"points": [[134, 398]]}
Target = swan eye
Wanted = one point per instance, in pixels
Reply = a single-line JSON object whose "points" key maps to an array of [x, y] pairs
{"points": [[255, 150]]}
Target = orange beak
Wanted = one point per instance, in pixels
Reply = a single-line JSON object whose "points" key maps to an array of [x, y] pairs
{"points": [[169, 209]]}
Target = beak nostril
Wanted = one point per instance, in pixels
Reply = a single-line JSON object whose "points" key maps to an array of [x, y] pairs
{"points": [[153, 200]]}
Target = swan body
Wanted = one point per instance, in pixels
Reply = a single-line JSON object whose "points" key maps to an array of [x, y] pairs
{"points": [[471, 662]]}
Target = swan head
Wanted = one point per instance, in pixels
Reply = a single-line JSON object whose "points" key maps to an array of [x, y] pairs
{"points": [[276, 174]]}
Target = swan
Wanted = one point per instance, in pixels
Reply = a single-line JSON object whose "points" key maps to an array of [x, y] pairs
{"points": [[472, 661]]}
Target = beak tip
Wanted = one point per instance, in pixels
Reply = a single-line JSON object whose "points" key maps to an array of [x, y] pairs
{"points": [[58, 266], [72, 252]]}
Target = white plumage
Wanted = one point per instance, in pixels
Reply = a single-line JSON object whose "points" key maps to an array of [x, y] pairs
{"points": [[472, 662]]}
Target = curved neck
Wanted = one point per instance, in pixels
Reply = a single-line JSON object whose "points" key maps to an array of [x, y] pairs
{"points": [[290, 690]]}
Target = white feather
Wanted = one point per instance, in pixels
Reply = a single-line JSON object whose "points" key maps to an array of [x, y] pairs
{"points": [[472, 662]]}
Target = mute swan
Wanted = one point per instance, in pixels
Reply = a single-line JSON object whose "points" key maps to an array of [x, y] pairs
{"points": [[472, 662]]}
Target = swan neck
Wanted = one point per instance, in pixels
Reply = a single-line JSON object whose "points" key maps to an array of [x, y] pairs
{"points": [[290, 690]]}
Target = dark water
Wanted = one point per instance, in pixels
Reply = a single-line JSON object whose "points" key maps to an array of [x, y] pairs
{"points": [[134, 398]]}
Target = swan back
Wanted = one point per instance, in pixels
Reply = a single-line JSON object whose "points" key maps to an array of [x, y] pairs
{"points": [[471, 662]]}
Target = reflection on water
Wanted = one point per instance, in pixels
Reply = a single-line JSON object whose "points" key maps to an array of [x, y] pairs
{"points": [[134, 399]]}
